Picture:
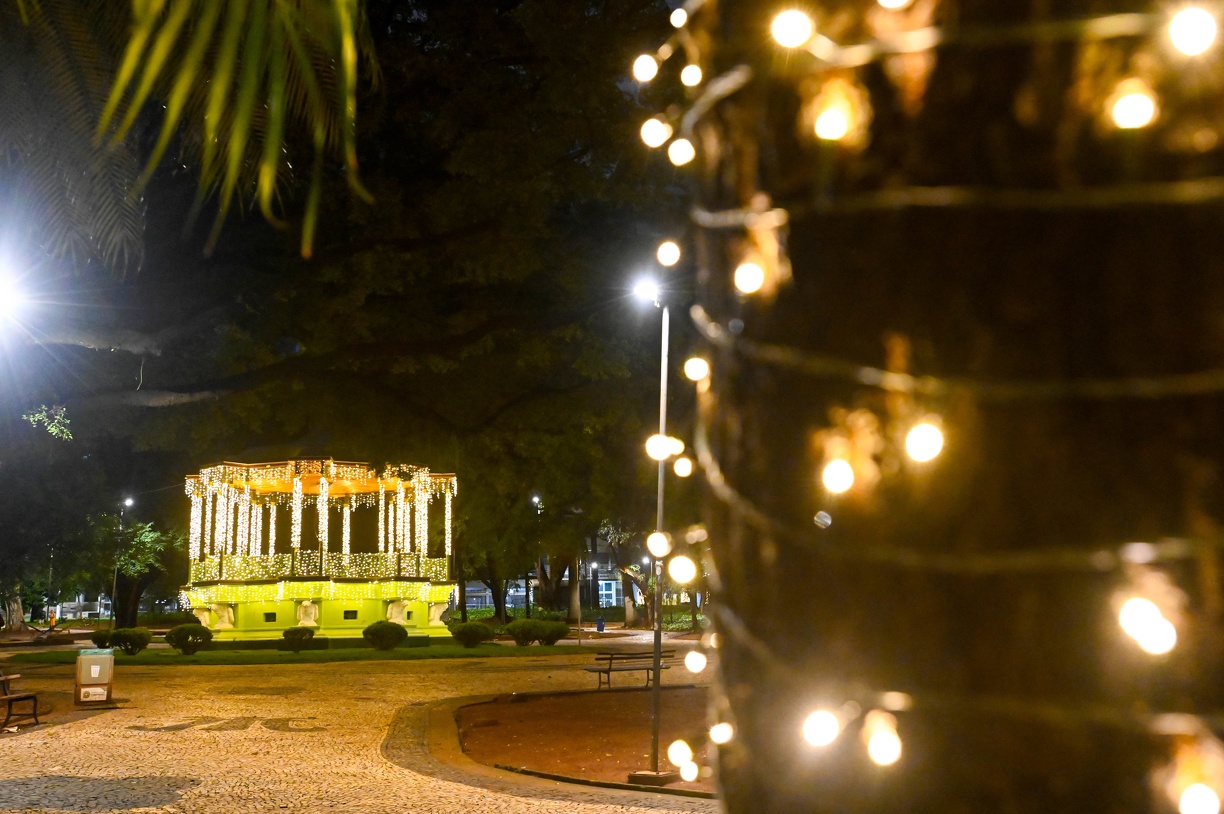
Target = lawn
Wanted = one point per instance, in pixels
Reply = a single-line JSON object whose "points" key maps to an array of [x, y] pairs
{"points": [[170, 657]]}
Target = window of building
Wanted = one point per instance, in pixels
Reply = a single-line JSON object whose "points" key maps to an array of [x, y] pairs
{"points": [[610, 593], [350, 615], [269, 617]]}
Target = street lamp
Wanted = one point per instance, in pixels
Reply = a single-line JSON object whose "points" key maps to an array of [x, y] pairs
{"points": [[127, 504], [648, 291]]}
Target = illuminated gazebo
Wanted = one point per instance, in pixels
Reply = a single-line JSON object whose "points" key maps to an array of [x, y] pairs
{"points": [[326, 544]]}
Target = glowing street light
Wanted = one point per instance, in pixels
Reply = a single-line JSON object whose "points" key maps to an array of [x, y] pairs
{"points": [[1192, 30], [668, 253], [658, 543], [655, 132], [792, 28], [1199, 798], [821, 728], [11, 298], [695, 661], [646, 290], [696, 368], [837, 476], [645, 68], [924, 442], [682, 569]]}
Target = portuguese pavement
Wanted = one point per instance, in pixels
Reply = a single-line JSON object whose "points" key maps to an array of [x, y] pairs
{"points": [[343, 737]]}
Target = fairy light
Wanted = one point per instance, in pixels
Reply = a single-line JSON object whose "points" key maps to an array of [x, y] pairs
{"points": [[346, 531], [880, 736], [749, 278], [661, 447], [682, 569], [197, 511], [382, 518], [679, 753], [690, 76], [208, 510], [792, 28], [401, 518], [683, 467], [658, 543], [721, 733], [678, 18], [833, 123], [696, 369], [894, 5], [1133, 106], [421, 498], [256, 529], [322, 505], [1143, 621], [447, 507], [668, 253], [295, 538], [272, 528], [1193, 30], [1199, 798], [695, 661], [645, 68], [681, 152], [689, 772], [837, 476], [924, 442], [242, 541], [821, 728], [655, 132]]}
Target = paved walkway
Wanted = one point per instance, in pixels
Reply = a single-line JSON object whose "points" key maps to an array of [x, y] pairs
{"points": [[345, 737]]}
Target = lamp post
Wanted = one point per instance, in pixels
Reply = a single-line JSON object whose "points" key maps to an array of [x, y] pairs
{"points": [[648, 291], [127, 504]]}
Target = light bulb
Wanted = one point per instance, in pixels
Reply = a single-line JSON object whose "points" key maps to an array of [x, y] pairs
{"points": [[837, 476], [658, 544], [695, 661], [681, 152], [679, 753], [645, 68], [683, 467], [1134, 106], [668, 253], [749, 277], [659, 447], [677, 446], [655, 132], [690, 77], [833, 123], [689, 772], [1159, 639], [696, 368], [1199, 798], [1192, 30], [646, 290], [682, 569], [722, 732], [884, 746], [894, 5], [821, 728], [678, 18], [923, 442], [791, 28]]}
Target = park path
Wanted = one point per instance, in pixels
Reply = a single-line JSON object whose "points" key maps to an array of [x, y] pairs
{"points": [[343, 737]]}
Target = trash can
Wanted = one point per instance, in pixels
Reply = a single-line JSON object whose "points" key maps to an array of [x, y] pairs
{"points": [[94, 673], [599, 624]]}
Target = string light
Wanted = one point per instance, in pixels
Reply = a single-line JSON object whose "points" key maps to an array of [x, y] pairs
{"points": [[894, 5], [295, 538], [689, 772], [272, 528], [695, 661], [749, 278], [682, 569], [679, 753], [833, 123], [1143, 621], [1192, 30], [645, 68], [661, 447], [722, 732], [681, 152], [690, 76], [1132, 106], [683, 467], [924, 442], [880, 736], [821, 728], [792, 28], [837, 476], [678, 18], [696, 369], [655, 132], [1199, 798], [658, 543], [668, 253]]}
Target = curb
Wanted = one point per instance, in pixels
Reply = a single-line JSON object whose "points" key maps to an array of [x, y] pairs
{"points": [[608, 784]]}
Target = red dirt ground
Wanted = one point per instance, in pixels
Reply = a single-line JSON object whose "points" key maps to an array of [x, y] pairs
{"points": [[599, 735]]}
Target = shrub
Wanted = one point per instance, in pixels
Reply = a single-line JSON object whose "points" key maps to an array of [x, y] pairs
{"points": [[296, 637], [131, 640], [524, 631], [385, 635], [188, 638], [101, 638], [470, 634], [552, 632]]}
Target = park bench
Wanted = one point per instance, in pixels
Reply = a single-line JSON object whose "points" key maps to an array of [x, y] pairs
{"points": [[610, 662], [9, 698]]}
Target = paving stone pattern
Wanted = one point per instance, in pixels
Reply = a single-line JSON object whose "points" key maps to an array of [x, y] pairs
{"points": [[345, 737]]}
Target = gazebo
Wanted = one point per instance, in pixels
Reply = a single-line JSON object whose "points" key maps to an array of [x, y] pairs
{"points": [[332, 545]]}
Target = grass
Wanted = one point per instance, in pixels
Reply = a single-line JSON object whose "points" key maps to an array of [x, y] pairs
{"points": [[169, 657]]}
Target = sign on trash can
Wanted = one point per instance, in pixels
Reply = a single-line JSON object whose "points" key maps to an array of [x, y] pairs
{"points": [[94, 673]]}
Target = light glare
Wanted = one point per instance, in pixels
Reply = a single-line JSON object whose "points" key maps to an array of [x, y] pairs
{"points": [[1134, 107], [646, 290], [683, 467], [679, 18], [1199, 798], [837, 476], [689, 772], [695, 661], [682, 569], [658, 544], [722, 732], [659, 447], [679, 753], [924, 442], [645, 68], [1192, 30], [681, 152], [655, 132], [821, 728], [833, 124], [884, 747], [749, 278], [894, 5], [696, 369], [690, 77], [791, 28], [668, 253]]}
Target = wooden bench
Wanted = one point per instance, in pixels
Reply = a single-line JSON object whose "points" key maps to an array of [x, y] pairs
{"points": [[627, 662], [9, 697]]}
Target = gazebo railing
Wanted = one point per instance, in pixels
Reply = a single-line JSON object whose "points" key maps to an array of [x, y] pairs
{"points": [[332, 565]]}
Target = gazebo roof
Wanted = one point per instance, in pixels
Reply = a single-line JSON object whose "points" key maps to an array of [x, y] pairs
{"points": [[343, 477]]}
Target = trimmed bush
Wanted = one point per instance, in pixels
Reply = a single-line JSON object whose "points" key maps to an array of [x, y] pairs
{"points": [[523, 631], [296, 637], [131, 640], [101, 638], [552, 632], [470, 634], [188, 639], [384, 635]]}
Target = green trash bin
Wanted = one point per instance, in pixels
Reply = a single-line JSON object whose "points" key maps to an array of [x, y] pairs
{"points": [[94, 673]]}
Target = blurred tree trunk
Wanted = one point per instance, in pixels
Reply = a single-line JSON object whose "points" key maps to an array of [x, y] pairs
{"points": [[14, 613], [575, 593]]}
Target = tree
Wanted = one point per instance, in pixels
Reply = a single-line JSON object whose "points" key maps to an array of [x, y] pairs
{"points": [[127, 555], [983, 244]]}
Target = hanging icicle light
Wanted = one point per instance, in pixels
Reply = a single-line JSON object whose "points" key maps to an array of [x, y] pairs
{"points": [[792, 28], [645, 68], [655, 132], [681, 152], [1193, 30]]}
